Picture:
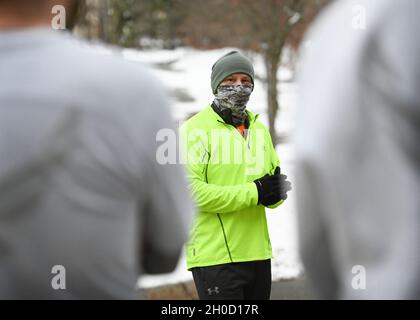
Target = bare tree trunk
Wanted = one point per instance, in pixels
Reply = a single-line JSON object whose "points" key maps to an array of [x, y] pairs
{"points": [[104, 20], [272, 63]]}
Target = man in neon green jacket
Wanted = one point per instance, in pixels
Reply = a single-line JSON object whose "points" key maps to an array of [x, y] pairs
{"points": [[234, 174]]}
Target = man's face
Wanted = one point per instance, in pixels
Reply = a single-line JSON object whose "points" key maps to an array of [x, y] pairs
{"points": [[237, 79]]}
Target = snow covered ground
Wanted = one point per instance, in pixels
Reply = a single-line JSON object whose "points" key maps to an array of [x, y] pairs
{"points": [[186, 75]]}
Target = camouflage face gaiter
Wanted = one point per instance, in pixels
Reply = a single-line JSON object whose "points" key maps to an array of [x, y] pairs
{"points": [[234, 98]]}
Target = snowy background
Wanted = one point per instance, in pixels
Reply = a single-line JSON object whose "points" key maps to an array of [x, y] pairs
{"points": [[186, 75]]}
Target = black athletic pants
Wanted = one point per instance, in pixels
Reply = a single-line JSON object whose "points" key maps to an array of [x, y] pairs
{"points": [[234, 281]]}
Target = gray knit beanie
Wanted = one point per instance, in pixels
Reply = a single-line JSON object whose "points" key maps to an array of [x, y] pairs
{"points": [[231, 63]]}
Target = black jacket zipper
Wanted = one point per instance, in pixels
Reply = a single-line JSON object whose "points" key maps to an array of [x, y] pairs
{"points": [[224, 235]]}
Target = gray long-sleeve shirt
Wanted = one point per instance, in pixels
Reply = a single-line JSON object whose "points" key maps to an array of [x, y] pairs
{"points": [[358, 151], [80, 186]]}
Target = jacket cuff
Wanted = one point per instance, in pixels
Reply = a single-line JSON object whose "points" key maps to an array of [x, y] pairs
{"points": [[253, 191], [276, 205]]}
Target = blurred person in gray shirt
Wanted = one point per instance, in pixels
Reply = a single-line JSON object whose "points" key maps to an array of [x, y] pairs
{"points": [[85, 208], [358, 151]]}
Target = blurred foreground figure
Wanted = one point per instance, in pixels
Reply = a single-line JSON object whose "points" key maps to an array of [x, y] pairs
{"points": [[358, 148], [84, 206]]}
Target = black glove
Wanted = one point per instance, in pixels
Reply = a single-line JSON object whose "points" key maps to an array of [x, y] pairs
{"points": [[272, 189]]}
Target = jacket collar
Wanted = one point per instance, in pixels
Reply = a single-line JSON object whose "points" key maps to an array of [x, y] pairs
{"points": [[226, 117]]}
